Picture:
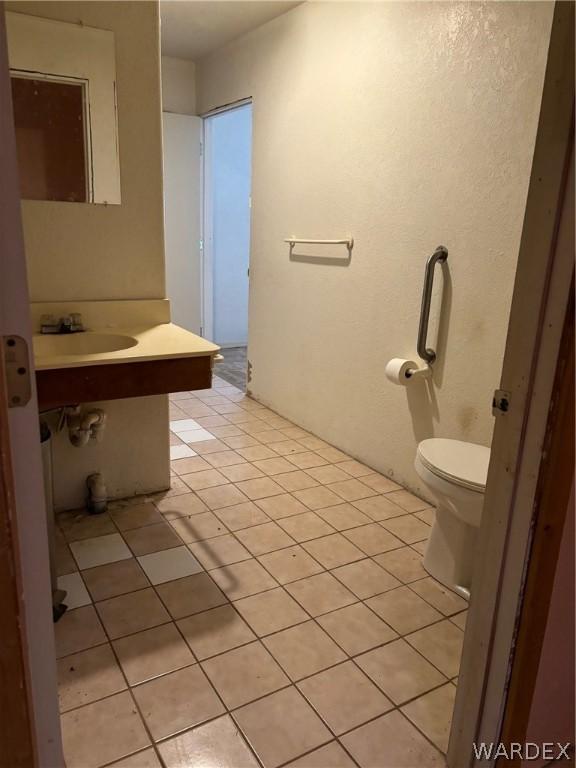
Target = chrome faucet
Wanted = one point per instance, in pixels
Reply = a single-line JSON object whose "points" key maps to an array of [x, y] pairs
{"points": [[71, 323]]}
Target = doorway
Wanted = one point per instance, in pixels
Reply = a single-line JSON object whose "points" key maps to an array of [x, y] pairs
{"points": [[226, 242]]}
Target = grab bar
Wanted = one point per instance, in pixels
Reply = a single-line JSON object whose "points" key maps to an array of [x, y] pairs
{"points": [[438, 257]]}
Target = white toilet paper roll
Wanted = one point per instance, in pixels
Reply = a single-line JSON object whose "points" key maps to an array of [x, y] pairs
{"points": [[397, 368]]}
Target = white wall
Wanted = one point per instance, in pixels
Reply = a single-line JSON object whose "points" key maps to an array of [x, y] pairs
{"points": [[228, 161], [178, 85], [78, 251], [405, 125]]}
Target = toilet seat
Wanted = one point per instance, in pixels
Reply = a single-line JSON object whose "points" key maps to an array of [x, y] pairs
{"points": [[464, 464]]}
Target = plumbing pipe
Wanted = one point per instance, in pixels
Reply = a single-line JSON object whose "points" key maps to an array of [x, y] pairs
{"points": [[82, 427], [97, 494]]}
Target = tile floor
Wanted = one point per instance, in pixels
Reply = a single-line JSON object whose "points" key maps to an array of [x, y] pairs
{"points": [[269, 610], [234, 366]]}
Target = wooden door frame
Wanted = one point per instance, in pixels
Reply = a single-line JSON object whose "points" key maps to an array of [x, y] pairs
{"points": [[537, 318]]}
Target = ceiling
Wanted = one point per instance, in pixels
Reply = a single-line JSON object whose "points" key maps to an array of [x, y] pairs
{"points": [[193, 28]]}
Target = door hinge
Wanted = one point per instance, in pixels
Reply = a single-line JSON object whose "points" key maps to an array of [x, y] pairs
{"points": [[500, 402], [17, 371], [201, 149], [201, 243]]}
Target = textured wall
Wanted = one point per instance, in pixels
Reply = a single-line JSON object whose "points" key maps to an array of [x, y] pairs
{"points": [[178, 86], [405, 125]]}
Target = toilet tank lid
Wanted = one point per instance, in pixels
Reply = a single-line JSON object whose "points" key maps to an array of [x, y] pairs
{"points": [[463, 463]]}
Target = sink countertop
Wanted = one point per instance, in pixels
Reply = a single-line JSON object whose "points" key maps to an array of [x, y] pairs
{"points": [[158, 342]]}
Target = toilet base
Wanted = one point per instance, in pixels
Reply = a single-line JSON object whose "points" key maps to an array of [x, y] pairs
{"points": [[450, 551]]}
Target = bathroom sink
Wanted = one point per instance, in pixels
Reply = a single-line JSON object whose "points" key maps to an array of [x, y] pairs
{"points": [[85, 343]]}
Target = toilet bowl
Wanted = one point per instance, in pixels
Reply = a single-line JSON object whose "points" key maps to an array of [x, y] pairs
{"points": [[455, 474]]}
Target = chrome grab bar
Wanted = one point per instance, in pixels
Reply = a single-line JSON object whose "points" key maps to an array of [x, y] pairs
{"points": [[438, 257]]}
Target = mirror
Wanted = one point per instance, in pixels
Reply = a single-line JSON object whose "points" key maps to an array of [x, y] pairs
{"points": [[63, 79]]}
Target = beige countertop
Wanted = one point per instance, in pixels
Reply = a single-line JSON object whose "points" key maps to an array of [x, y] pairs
{"points": [[99, 346]]}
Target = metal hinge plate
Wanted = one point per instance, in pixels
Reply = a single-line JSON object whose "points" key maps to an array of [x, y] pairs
{"points": [[17, 371], [500, 402]]}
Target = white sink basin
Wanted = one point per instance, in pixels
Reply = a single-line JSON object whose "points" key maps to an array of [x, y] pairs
{"points": [[85, 343]]}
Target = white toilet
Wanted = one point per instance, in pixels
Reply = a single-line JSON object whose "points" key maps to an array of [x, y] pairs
{"points": [[455, 473]]}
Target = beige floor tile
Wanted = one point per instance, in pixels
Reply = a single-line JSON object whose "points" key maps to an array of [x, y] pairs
{"points": [[207, 422], [403, 610], [239, 472], [400, 671], [215, 631], [285, 505], [380, 483], [356, 629], [307, 460], [224, 459], [145, 759], [207, 478], [305, 527], [226, 431], [242, 515], [191, 595], [260, 488], [391, 742], [88, 676], [78, 524], [332, 755], [65, 563], [295, 433], [365, 578], [281, 727], [241, 441], [441, 644], [219, 551], [218, 743], [373, 539], [83, 729], [427, 515], [288, 447], [403, 563], [270, 611], [99, 550], [169, 564], [131, 613], [268, 537], [78, 630], [271, 436], [352, 490], [242, 579], [320, 594], [442, 598], [432, 714], [136, 516], [354, 468], [408, 528], [329, 473], [257, 452], [114, 579], [151, 538], [420, 547], [460, 620], [181, 506], [407, 501], [333, 455], [343, 516], [274, 466], [198, 527], [290, 564], [189, 464], [296, 481], [332, 551], [177, 488], [312, 443], [244, 674], [318, 498], [177, 701], [303, 650], [151, 653], [344, 697], [379, 508]]}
